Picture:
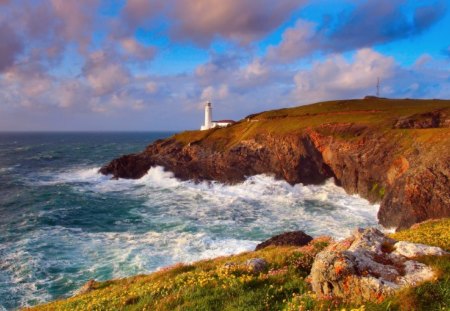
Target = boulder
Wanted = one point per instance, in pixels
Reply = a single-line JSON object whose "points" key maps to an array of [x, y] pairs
{"points": [[294, 238], [256, 265], [368, 266]]}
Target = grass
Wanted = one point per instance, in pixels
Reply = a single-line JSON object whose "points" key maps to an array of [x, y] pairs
{"points": [[225, 283], [432, 232], [379, 114], [219, 284]]}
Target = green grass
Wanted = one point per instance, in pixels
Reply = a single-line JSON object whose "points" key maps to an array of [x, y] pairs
{"points": [[359, 114], [218, 285], [432, 232], [206, 285]]}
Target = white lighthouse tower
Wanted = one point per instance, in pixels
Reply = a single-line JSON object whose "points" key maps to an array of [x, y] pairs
{"points": [[208, 117], [209, 124]]}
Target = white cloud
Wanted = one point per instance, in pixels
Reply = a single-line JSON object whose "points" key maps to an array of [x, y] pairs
{"points": [[104, 74], [336, 77], [211, 93], [297, 42], [136, 50]]}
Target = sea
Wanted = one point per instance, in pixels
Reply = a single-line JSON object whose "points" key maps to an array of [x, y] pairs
{"points": [[62, 223]]}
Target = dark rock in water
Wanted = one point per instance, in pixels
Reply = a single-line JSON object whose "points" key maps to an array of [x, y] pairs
{"points": [[128, 166], [294, 238]]}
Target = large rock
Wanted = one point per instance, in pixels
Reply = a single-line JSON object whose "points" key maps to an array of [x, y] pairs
{"points": [[256, 265], [369, 266], [293, 238]]}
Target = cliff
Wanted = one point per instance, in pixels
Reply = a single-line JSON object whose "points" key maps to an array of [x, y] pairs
{"points": [[395, 152]]}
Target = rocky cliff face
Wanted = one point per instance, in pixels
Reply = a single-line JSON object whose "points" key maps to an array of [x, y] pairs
{"points": [[398, 158]]}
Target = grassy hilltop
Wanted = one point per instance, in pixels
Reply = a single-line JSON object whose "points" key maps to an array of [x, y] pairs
{"points": [[214, 285], [377, 113]]}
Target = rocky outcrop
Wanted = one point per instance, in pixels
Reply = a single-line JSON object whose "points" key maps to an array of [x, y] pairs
{"points": [[390, 162], [294, 238], [433, 119], [369, 266], [86, 288], [256, 265]]}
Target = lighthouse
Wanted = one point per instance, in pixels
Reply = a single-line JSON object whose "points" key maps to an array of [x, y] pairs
{"points": [[209, 124], [208, 117]]}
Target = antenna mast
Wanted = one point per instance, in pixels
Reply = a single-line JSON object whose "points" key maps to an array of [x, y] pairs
{"points": [[378, 87]]}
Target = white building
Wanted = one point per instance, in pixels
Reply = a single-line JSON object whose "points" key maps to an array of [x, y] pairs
{"points": [[209, 124]]}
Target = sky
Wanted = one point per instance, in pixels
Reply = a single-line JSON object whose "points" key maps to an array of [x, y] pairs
{"points": [[151, 65]]}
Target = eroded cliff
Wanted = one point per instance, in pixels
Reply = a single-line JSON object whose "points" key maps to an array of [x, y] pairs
{"points": [[391, 151]]}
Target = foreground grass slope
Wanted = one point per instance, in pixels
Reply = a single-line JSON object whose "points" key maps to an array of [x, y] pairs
{"points": [[225, 283]]}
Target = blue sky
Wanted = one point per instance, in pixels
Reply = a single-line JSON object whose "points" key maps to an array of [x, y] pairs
{"points": [[97, 65]]}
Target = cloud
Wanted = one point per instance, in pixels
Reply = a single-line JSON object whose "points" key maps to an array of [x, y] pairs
{"points": [[211, 93], [297, 42], [76, 19], [383, 21], [371, 22], [89, 58], [336, 77], [242, 21], [136, 50], [11, 46], [202, 21], [135, 14], [339, 78], [104, 74]]}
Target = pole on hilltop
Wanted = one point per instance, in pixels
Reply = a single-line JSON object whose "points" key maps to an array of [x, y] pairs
{"points": [[378, 87]]}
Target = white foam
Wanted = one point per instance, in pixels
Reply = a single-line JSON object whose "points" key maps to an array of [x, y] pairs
{"points": [[6, 169], [158, 177], [88, 255], [273, 204]]}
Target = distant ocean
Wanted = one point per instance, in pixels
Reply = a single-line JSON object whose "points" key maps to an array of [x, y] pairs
{"points": [[61, 223]]}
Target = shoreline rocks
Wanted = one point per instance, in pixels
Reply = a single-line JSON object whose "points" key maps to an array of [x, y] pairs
{"points": [[293, 238]]}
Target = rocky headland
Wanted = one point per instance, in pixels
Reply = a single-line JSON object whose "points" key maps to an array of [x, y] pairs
{"points": [[395, 152]]}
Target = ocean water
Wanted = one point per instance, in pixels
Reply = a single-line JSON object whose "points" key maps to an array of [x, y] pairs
{"points": [[62, 223]]}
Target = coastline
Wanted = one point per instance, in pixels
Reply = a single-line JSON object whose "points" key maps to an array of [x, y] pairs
{"points": [[387, 151]]}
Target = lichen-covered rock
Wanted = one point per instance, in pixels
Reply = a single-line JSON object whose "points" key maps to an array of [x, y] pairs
{"points": [[293, 238], [415, 250], [256, 265], [368, 266]]}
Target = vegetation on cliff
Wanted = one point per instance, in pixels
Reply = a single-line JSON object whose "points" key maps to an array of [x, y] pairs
{"points": [[382, 114], [226, 283]]}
